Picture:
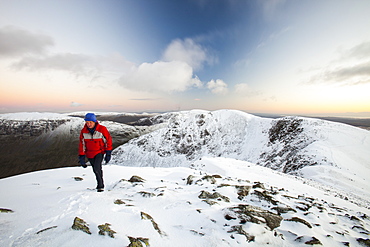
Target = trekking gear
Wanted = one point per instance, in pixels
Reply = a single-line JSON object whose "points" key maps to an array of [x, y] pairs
{"points": [[82, 161], [90, 117], [108, 156]]}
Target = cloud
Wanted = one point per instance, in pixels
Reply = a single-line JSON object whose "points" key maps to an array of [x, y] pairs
{"points": [[345, 73], [93, 67], [189, 52], [145, 99], [352, 68], [75, 104], [360, 51], [217, 86], [175, 76], [74, 63], [18, 42], [242, 88]]}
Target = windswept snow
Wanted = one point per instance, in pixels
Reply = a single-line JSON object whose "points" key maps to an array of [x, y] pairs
{"points": [[45, 203]]}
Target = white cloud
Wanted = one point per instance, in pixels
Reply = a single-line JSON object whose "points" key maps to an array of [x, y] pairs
{"points": [[242, 88], [75, 104], [92, 67], [352, 68], [217, 86], [189, 52], [160, 76], [17, 42], [74, 63]]}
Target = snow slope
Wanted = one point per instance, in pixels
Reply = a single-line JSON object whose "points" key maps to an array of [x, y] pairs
{"points": [[334, 154], [171, 208]]}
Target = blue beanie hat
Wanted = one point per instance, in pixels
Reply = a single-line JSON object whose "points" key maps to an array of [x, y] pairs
{"points": [[90, 117]]}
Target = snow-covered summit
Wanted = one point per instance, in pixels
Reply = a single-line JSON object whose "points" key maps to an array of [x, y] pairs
{"points": [[306, 147]]}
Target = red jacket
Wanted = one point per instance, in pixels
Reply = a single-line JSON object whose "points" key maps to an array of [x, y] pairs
{"points": [[93, 144]]}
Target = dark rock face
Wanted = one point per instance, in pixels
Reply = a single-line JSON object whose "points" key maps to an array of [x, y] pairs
{"points": [[34, 145], [287, 141], [19, 129]]}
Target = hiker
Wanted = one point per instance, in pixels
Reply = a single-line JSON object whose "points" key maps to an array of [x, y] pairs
{"points": [[95, 141]]}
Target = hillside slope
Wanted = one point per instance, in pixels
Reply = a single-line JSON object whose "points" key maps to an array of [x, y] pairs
{"points": [[217, 202], [35, 141], [305, 147]]}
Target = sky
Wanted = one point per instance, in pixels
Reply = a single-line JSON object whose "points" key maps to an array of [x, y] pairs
{"points": [[273, 56]]}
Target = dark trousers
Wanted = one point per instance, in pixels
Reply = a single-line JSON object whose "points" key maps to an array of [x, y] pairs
{"points": [[97, 168]]}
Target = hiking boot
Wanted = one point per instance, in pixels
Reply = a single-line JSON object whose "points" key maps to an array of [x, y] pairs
{"points": [[100, 189]]}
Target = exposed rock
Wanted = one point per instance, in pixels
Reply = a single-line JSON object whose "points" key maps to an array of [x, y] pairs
{"points": [[119, 202], [264, 195], [6, 210], [239, 229], [258, 185], [209, 202], [105, 229], [285, 130], [78, 178], [190, 179], [313, 241], [146, 194], [197, 233], [304, 206], [361, 229], [145, 216], [215, 195], [48, 228], [138, 242], [209, 178], [136, 179], [296, 219], [242, 191], [364, 242], [284, 210], [247, 213], [287, 157], [81, 225]]}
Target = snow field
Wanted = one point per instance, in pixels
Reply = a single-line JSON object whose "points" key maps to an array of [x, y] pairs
{"points": [[53, 198]]}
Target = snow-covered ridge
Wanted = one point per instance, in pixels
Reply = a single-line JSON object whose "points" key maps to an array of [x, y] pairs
{"points": [[30, 116], [306, 147]]}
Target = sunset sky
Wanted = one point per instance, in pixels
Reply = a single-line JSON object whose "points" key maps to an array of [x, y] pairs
{"points": [[272, 56]]}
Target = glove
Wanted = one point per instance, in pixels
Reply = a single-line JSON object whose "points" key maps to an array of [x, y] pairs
{"points": [[82, 161], [108, 156]]}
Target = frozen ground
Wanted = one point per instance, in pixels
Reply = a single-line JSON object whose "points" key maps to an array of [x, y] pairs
{"points": [[44, 205]]}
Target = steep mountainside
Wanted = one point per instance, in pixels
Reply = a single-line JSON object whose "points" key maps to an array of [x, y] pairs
{"points": [[294, 145], [37, 141]]}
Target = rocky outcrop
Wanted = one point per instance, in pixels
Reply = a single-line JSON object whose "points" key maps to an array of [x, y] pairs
{"points": [[105, 230], [80, 225], [6, 210]]}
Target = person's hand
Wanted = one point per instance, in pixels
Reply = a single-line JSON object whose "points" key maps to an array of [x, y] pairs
{"points": [[108, 156], [82, 161]]}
